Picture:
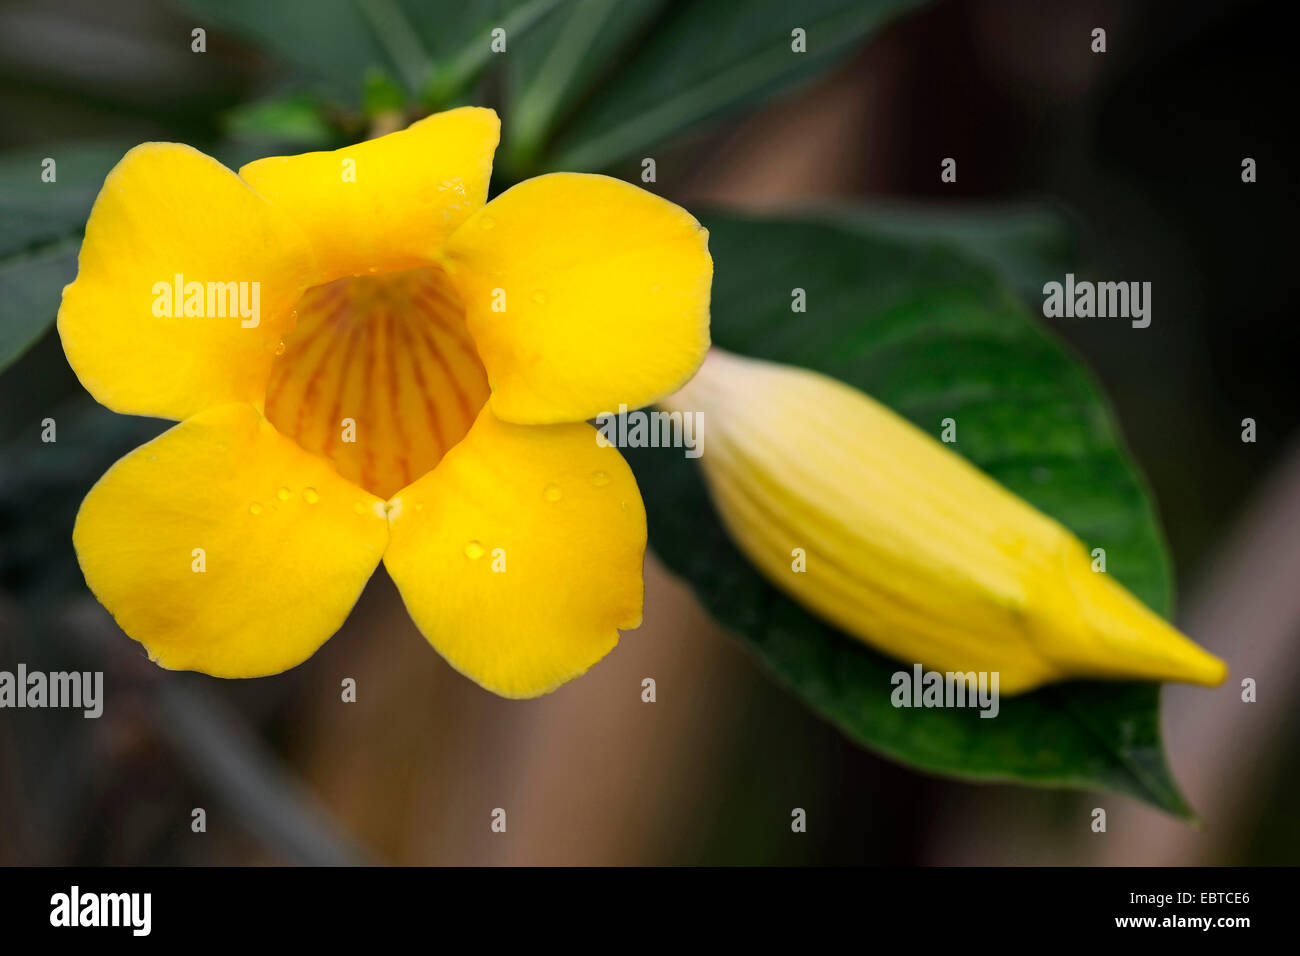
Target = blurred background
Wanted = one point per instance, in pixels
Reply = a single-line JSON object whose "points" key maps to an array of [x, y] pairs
{"points": [[1126, 165]]}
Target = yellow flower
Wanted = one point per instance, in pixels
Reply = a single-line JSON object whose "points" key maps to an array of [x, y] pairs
{"points": [[368, 362], [905, 545]]}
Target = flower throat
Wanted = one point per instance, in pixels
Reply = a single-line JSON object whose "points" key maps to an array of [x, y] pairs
{"points": [[379, 375]]}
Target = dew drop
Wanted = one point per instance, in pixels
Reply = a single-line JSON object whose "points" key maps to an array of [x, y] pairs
{"points": [[359, 508], [600, 478], [539, 297], [552, 492], [474, 550], [284, 494], [254, 509], [279, 348], [309, 495], [487, 222]]}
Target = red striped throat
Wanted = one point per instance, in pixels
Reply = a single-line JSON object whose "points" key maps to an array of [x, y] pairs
{"points": [[379, 375]]}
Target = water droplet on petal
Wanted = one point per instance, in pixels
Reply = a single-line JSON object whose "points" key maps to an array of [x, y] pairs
{"points": [[359, 508], [600, 478], [474, 550], [552, 492], [254, 509], [487, 222], [284, 494], [539, 297], [279, 348], [309, 495]]}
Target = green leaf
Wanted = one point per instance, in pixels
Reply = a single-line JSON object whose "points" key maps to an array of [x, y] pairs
{"points": [[460, 36], [40, 233], [381, 95], [923, 327], [332, 42], [41, 488], [1028, 243], [555, 64], [705, 60], [297, 120], [435, 47]]}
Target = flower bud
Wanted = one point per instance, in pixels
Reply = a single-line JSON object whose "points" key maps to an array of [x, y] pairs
{"points": [[876, 527]]}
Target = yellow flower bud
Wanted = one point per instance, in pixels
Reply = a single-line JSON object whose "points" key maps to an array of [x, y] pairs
{"points": [[873, 525]]}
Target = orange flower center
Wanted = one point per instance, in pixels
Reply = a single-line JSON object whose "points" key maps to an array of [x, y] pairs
{"points": [[380, 376]]}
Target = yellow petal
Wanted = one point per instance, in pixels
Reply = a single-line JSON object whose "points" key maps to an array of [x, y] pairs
{"points": [[223, 547], [387, 203], [582, 292], [908, 547], [168, 211], [519, 556]]}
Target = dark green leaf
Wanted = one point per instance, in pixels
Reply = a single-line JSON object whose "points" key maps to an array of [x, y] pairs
{"points": [[704, 60], [41, 487], [922, 327], [40, 232], [557, 62], [330, 41], [460, 38], [1027, 243], [435, 47]]}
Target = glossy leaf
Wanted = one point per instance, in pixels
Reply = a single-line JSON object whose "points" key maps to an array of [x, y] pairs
{"points": [[923, 327]]}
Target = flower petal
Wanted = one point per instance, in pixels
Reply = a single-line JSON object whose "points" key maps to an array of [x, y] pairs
{"points": [[520, 555], [286, 545], [167, 210], [387, 203], [582, 292]]}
